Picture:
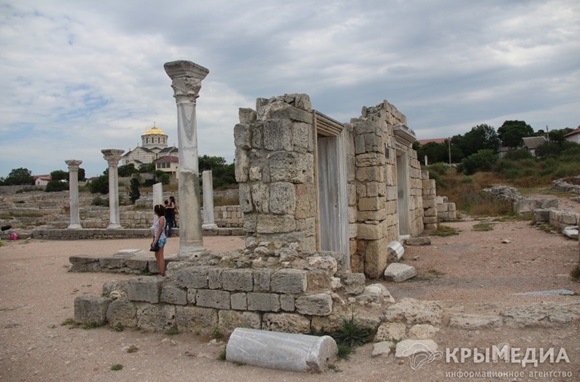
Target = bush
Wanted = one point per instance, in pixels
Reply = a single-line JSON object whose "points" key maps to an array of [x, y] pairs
{"points": [[483, 160], [518, 154], [56, 185], [100, 185]]}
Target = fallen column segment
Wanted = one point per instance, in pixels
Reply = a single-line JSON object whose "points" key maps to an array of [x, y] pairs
{"points": [[283, 351]]}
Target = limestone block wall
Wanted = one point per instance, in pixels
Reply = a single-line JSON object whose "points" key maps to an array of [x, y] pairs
{"points": [[429, 201], [275, 171], [199, 298], [375, 166], [446, 210], [228, 216]]}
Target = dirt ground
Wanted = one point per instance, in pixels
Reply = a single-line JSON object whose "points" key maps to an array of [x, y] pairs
{"points": [[470, 272]]}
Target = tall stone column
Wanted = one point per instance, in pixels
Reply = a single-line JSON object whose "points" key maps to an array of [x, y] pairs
{"points": [[112, 156], [186, 82], [208, 216], [73, 185]]}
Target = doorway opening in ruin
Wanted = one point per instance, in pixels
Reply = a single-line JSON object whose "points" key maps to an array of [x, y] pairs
{"points": [[332, 186], [403, 194]]}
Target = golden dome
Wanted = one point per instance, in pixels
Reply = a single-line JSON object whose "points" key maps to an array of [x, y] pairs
{"points": [[154, 131]]}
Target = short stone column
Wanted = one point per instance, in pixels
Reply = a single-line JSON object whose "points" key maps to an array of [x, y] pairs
{"points": [[186, 82], [73, 185], [208, 215], [112, 156]]}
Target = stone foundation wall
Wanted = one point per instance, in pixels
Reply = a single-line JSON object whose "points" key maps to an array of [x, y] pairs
{"points": [[429, 201], [228, 216], [199, 298], [446, 211]]}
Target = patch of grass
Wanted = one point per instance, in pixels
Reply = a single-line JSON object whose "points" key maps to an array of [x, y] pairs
{"points": [[352, 333], [334, 368], [172, 331], [91, 325], [344, 351], [68, 321], [575, 273], [222, 355], [118, 327], [483, 227], [444, 231], [216, 334], [117, 367]]}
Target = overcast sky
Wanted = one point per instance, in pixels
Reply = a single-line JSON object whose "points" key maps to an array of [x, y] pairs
{"points": [[80, 76]]}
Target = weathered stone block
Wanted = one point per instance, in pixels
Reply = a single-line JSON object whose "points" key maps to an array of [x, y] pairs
{"points": [[291, 167], [261, 197], [122, 312], [289, 281], [282, 198], [144, 289], [407, 348], [214, 278], [375, 258], [91, 309], [242, 136], [315, 305], [156, 318], [276, 224], [238, 280], [209, 298], [318, 281], [278, 135], [370, 174], [370, 231], [239, 301], [171, 294], [194, 319], [354, 283], [398, 272], [229, 320], [287, 303], [371, 204], [247, 115], [262, 280], [414, 311], [245, 196], [391, 331], [264, 302], [191, 277], [285, 322], [242, 165], [422, 331]]}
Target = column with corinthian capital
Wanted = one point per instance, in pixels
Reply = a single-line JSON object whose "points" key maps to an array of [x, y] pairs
{"points": [[112, 156], [73, 185], [186, 79]]}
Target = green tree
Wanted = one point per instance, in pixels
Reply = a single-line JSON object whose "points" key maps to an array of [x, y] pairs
{"points": [[59, 175], [100, 185], [56, 185], [147, 168], [512, 132], [19, 176], [134, 192], [127, 170], [207, 162], [557, 135], [483, 160], [478, 138]]}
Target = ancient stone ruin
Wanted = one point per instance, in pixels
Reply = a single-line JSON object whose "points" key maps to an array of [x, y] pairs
{"points": [[311, 183], [321, 203]]}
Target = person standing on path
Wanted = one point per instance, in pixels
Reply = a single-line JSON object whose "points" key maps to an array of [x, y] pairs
{"points": [[159, 238], [171, 213]]}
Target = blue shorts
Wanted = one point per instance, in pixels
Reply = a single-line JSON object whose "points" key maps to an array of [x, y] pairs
{"points": [[161, 242]]}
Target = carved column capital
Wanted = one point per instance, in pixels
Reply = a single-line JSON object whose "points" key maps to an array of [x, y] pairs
{"points": [[73, 164], [112, 156], [186, 79]]}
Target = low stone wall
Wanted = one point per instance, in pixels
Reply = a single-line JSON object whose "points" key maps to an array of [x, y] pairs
{"points": [[446, 211], [556, 218], [91, 234], [197, 297], [527, 206], [571, 184], [228, 216]]}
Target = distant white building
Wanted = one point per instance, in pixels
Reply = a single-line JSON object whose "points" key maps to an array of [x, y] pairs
{"points": [[573, 136], [41, 180]]}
